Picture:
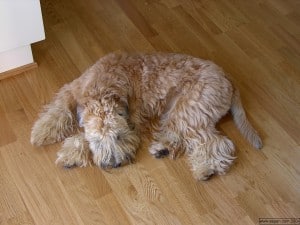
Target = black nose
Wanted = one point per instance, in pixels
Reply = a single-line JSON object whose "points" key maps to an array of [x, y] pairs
{"points": [[116, 165]]}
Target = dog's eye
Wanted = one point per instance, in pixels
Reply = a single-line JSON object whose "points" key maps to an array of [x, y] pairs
{"points": [[121, 113]]}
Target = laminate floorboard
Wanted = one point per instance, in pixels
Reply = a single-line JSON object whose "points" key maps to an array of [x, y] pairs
{"points": [[257, 42]]}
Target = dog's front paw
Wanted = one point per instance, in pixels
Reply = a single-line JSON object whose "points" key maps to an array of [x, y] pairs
{"points": [[74, 152]]}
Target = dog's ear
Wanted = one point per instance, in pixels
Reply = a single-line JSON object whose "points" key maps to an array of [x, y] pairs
{"points": [[115, 98], [79, 113], [82, 103]]}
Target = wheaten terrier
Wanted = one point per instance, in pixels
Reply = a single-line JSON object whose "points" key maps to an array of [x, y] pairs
{"points": [[114, 98]]}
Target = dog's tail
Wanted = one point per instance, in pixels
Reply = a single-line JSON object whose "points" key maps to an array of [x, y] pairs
{"points": [[241, 121]]}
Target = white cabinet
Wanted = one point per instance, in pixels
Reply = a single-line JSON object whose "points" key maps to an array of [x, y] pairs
{"points": [[21, 25]]}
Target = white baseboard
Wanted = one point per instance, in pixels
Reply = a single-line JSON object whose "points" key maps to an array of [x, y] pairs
{"points": [[15, 58]]}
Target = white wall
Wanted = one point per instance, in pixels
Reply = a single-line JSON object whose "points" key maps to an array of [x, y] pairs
{"points": [[20, 25]]}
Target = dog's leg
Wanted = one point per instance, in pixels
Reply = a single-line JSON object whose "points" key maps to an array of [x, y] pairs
{"points": [[209, 155], [167, 138], [74, 152], [208, 152], [193, 131], [165, 142], [58, 120]]}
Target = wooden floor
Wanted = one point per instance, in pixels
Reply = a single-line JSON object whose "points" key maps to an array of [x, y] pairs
{"points": [[257, 41]]}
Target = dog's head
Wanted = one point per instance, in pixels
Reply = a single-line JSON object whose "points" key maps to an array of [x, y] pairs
{"points": [[111, 137], [103, 119]]}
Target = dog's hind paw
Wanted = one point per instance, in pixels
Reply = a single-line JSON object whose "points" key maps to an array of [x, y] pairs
{"points": [[161, 153], [158, 150]]}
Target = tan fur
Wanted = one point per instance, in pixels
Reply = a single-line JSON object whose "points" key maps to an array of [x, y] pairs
{"points": [[116, 96], [75, 152]]}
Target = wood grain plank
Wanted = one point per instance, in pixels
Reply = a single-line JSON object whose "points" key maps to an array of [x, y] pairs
{"points": [[257, 42], [6, 133]]}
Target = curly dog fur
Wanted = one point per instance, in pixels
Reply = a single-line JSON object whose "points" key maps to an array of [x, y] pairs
{"points": [[113, 99]]}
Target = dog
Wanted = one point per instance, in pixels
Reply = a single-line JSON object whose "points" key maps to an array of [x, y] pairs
{"points": [[100, 114]]}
